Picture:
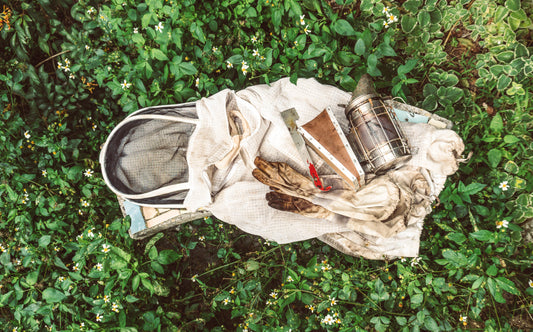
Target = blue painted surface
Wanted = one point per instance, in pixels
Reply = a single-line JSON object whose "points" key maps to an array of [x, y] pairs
{"points": [[410, 117], [137, 219]]}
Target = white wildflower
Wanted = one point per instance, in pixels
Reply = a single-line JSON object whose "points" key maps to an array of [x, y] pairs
{"points": [[504, 186], [392, 18], [105, 248], [328, 320], [159, 27], [244, 68], [125, 85], [415, 261], [502, 223]]}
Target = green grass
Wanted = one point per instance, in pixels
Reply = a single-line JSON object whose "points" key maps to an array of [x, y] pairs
{"points": [[70, 71]]}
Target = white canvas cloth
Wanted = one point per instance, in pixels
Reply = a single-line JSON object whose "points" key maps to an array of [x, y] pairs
{"points": [[221, 163]]}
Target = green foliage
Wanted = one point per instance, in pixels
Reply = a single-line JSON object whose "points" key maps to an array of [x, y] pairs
{"points": [[70, 70]]}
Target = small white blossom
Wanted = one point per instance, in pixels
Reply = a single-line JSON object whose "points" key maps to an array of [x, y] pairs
{"points": [[307, 30], [135, 30], [197, 82], [99, 266], [289, 279], [125, 85], [302, 21], [328, 320], [530, 283], [229, 64], [504, 186], [214, 49], [85, 204], [159, 27], [114, 307], [27, 134], [332, 301], [87, 47], [386, 10], [90, 233], [326, 267], [88, 172], [463, 319], [244, 68], [392, 18], [415, 261], [91, 11], [105, 248], [75, 267], [44, 172], [274, 295], [98, 317], [106, 299], [256, 53], [254, 39], [226, 301], [194, 277], [502, 223]]}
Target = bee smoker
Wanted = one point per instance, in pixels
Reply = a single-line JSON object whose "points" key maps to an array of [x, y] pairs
{"points": [[375, 133]]}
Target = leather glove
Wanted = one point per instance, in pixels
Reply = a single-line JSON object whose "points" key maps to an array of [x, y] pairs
{"points": [[297, 205], [282, 178]]}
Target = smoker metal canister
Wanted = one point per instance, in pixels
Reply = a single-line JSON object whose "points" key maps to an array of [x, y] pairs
{"points": [[375, 133]]}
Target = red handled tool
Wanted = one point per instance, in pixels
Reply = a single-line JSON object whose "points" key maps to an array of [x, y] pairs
{"points": [[290, 116]]}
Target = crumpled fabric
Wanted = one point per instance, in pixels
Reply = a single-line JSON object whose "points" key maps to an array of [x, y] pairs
{"points": [[229, 190], [380, 208]]}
